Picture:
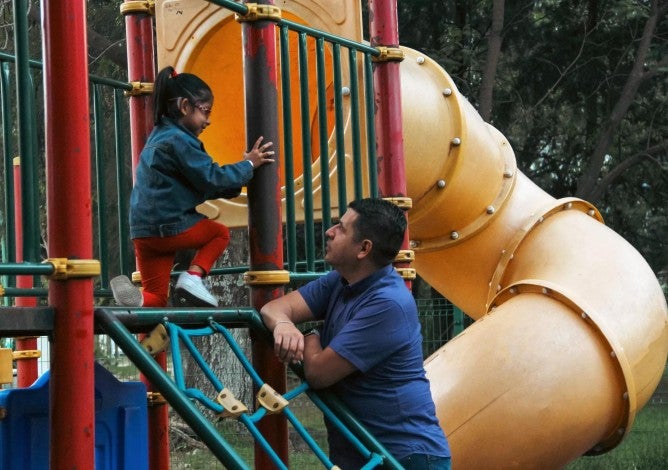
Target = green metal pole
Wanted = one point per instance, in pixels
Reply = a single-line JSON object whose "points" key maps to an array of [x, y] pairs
{"points": [[355, 124], [307, 174], [27, 151], [324, 137], [102, 232], [370, 126], [125, 253], [458, 316], [340, 129], [288, 152], [5, 109]]}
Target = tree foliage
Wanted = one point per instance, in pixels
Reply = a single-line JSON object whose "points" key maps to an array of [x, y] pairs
{"points": [[579, 90]]}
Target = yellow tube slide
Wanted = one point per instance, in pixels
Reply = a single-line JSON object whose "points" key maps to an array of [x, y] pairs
{"points": [[571, 336]]}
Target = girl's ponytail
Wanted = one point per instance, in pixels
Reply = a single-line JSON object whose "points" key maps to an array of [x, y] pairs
{"points": [[161, 93]]}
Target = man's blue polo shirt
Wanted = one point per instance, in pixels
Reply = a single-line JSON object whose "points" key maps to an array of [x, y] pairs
{"points": [[374, 325]]}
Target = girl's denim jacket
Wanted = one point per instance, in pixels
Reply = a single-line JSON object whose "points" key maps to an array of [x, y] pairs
{"points": [[174, 175]]}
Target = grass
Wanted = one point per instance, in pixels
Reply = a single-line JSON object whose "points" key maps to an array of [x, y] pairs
{"points": [[645, 447]]}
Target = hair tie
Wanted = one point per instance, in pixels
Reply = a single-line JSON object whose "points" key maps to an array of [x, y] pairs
{"points": [[174, 74]]}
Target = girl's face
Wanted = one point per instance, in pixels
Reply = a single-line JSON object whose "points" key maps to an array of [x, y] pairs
{"points": [[195, 116]]}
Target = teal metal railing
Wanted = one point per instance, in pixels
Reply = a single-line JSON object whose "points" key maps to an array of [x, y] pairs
{"points": [[190, 402], [22, 136]]}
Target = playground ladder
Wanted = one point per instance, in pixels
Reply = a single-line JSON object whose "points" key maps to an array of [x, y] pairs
{"points": [[183, 399]]}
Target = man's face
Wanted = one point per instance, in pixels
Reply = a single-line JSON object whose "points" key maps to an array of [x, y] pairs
{"points": [[342, 249]]}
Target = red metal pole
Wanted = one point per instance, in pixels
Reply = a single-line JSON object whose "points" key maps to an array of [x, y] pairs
{"points": [[69, 229], [26, 369], [141, 70], [264, 206], [384, 31]]}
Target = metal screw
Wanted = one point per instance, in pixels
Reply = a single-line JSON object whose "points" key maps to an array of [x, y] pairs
{"points": [[447, 92], [345, 91], [420, 60], [491, 209], [440, 184], [454, 235], [456, 141]]}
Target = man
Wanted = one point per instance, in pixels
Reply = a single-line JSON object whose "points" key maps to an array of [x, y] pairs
{"points": [[370, 347]]}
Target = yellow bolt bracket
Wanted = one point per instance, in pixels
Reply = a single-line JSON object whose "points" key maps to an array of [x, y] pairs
{"points": [[259, 13], [156, 341], [6, 366], [73, 268], [233, 408], [271, 400]]}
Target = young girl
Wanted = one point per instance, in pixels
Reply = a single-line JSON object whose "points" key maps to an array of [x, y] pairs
{"points": [[173, 176]]}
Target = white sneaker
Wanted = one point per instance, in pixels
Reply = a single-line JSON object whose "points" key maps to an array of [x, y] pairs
{"points": [[191, 288], [126, 294]]}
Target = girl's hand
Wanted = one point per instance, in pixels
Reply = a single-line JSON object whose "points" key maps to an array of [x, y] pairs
{"points": [[259, 155]]}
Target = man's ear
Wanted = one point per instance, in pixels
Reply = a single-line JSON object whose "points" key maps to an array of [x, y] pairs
{"points": [[365, 248]]}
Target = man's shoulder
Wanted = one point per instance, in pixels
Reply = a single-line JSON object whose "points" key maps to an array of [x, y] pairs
{"points": [[331, 280], [391, 283]]}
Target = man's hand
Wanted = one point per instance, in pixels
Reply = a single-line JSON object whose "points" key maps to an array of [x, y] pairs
{"points": [[280, 316], [288, 342]]}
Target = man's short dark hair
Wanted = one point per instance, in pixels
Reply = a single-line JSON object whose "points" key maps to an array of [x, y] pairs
{"points": [[383, 223]]}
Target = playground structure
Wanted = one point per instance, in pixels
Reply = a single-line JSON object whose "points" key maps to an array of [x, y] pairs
{"points": [[572, 330]]}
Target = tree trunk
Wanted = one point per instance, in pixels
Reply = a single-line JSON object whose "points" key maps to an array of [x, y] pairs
{"points": [[231, 291], [493, 55], [98, 45], [590, 178]]}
